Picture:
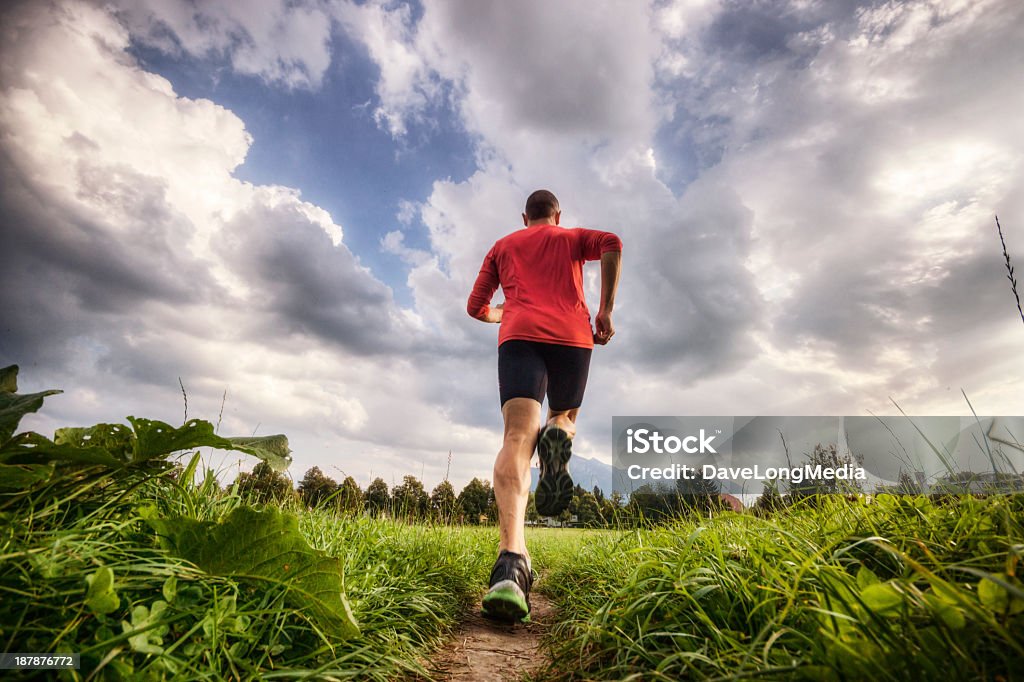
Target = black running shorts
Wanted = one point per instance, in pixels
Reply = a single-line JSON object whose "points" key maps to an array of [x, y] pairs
{"points": [[531, 369]]}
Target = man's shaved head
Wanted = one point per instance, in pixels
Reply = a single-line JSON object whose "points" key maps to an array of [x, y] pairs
{"points": [[541, 204]]}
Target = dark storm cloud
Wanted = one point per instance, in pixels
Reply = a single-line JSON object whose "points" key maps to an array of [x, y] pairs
{"points": [[306, 283], [68, 274], [748, 32], [156, 357], [753, 31]]}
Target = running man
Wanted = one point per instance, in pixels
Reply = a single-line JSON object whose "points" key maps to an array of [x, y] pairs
{"points": [[544, 346]]}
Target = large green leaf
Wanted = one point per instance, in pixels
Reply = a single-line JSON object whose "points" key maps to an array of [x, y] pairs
{"points": [[23, 476], [156, 439], [32, 448], [264, 544], [13, 407], [117, 445], [273, 450], [116, 439], [9, 379]]}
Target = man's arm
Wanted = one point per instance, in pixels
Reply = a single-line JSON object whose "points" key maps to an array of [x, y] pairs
{"points": [[611, 266], [478, 306]]}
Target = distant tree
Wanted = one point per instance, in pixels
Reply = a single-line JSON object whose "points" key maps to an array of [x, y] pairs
{"points": [[443, 503], [315, 487], [350, 497], [531, 509], [651, 503], [587, 510], [770, 499], [598, 494], [611, 508], [699, 493], [264, 485], [410, 499], [475, 500], [827, 456], [377, 499], [492, 507]]}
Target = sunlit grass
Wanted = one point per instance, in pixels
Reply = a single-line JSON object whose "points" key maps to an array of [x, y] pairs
{"points": [[901, 588], [898, 587], [408, 587]]}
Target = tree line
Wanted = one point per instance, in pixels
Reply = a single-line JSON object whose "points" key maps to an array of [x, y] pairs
{"points": [[474, 504]]}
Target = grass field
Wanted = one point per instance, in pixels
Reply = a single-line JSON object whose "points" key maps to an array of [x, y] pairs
{"points": [[903, 588], [900, 588], [406, 587], [104, 553]]}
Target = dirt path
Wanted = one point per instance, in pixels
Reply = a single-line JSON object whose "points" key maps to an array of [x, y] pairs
{"points": [[485, 650]]}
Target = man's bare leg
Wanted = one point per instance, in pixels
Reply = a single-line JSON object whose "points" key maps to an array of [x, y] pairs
{"points": [[564, 419], [512, 471]]}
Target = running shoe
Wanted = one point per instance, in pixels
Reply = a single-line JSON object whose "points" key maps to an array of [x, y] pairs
{"points": [[508, 598], [554, 489]]}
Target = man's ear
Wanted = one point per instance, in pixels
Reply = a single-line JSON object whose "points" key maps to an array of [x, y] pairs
{"points": [[526, 222], [558, 216]]}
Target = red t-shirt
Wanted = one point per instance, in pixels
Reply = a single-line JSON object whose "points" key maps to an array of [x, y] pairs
{"points": [[540, 270]]}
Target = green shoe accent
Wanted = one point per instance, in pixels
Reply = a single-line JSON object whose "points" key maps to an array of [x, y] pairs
{"points": [[506, 603]]}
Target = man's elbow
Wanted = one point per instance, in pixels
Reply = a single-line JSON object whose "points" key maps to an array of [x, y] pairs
{"points": [[475, 310], [611, 243]]}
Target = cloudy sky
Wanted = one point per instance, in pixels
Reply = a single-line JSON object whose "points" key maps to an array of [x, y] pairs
{"points": [[289, 201]]}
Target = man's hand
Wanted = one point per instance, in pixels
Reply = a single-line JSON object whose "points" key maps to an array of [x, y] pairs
{"points": [[605, 328], [494, 313]]}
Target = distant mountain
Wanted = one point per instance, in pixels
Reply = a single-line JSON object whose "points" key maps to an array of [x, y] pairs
{"points": [[585, 472]]}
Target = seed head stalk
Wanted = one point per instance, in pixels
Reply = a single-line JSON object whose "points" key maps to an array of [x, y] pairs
{"points": [[1009, 269]]}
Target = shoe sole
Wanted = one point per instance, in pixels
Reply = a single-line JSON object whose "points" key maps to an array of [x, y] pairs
{"points": [[554, 489], [506, 603]]}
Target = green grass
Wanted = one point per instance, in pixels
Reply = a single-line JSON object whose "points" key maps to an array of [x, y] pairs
{"points": [[898, 587], [407, 585], [891, 589], [901, 588]]}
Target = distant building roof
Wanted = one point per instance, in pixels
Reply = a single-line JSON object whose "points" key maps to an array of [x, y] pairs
{"points": [[734, 502]]}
